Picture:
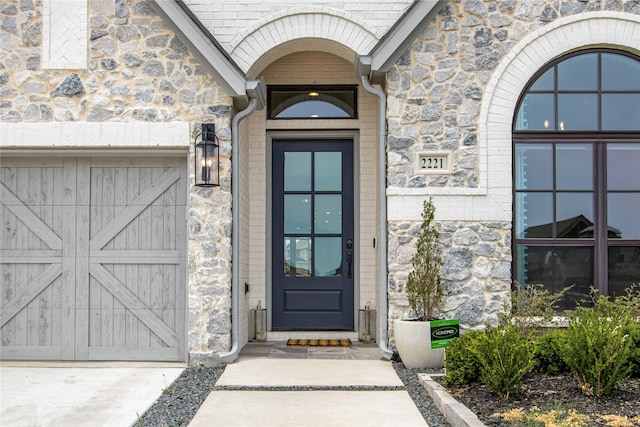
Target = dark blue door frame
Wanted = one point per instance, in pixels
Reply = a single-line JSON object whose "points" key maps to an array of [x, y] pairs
{"points": [[313, 250]]}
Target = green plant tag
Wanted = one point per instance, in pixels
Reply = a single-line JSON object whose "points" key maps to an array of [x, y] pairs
{"points": [[443, 332]]}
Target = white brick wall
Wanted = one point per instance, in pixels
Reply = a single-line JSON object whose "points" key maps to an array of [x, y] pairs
{"points": [[492, 201], [245, 236], [250, 28], [64, 34]]}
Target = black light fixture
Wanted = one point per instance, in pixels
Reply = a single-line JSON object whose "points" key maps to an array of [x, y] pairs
{"points": [[207, 157]]}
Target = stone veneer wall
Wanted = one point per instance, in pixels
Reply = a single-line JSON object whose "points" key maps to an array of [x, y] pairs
{"points": [[138, 71], [434, 94], [476, 270]]}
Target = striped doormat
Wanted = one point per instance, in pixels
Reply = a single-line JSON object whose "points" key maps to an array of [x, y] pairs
{"points": [[319, 342]]}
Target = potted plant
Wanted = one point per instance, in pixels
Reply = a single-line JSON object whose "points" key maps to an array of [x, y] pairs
{"points": [[426, 298]]}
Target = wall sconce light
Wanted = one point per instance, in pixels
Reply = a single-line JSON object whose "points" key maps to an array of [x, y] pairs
{"points": [[207, 157]]}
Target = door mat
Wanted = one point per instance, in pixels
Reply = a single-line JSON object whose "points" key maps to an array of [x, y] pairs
{"points": [[319, 342]]}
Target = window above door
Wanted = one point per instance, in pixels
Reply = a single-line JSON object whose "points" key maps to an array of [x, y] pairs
{"points": [[312, 102]]}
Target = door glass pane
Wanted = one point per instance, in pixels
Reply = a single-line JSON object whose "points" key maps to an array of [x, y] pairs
{"points": [[328, 214], [545, 81], [620, 72], [579, 73], [328, 256], [574, 167], [297, 213], [535, 215], [623, 171], [574, 215], [623, 211], [624, 268], [297, 256], [621, 111], [536, 112], [328, 171], [577, 111], [297, 171], [534, 164]]}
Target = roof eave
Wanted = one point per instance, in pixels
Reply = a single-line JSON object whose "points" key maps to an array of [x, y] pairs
{"points": [[400, 37]]}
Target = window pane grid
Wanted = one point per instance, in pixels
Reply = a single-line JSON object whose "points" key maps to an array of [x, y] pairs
{"points": [[311, 102], [602, 94], [562, 229], [313, 217]]}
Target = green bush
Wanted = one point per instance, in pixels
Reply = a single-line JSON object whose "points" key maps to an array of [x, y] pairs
{"points": [[631, 301], [533, 300], [505, 356], [533, 307], [598, 347], [634, 358], [547, 353], [461, 364]]}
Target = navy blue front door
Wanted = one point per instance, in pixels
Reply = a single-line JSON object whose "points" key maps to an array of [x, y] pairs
{"points": [[313, 250]]}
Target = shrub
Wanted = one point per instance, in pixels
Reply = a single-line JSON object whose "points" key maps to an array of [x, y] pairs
{"points": [[547, 353], [532, 306], [424, 289], [634, 358], [631, 301], [505, 356], [534, 301], [461, 365], [597, 347]]}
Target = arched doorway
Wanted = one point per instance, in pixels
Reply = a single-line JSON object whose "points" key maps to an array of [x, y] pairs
{"points": [[272, 138]]}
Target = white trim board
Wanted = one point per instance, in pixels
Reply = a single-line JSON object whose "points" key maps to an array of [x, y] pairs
{"points": [[95, 135]]}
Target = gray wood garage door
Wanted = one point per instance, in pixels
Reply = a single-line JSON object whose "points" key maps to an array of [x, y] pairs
{"points": [[92, 258]]}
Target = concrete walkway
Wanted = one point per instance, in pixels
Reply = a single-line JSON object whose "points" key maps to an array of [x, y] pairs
{"points": [[271, 392], [109, 395]]}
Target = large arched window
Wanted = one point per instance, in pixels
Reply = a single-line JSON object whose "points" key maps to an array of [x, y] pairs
{"points": [[577, 175]]}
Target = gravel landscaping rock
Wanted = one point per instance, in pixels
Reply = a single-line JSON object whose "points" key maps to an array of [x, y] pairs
{"points": [[423, 401], [179, 403]]}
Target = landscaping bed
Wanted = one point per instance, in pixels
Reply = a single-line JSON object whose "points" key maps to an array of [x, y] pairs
{"points": [[549, 392]]}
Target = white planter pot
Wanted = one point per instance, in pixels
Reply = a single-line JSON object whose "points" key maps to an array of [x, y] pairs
{"points": [[413, 342]]}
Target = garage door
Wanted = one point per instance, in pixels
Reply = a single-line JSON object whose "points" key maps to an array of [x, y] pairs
{"points": [[93, 258]]}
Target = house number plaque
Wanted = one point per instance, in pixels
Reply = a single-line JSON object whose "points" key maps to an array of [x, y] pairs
{"points": [[435, 163]]}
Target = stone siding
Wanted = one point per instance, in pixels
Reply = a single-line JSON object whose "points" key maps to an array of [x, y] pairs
{"points": [[476, 269], [435, 95], [138, 71]]}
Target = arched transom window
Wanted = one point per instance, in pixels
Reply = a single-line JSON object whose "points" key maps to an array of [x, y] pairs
{"points": [[577, 175]]}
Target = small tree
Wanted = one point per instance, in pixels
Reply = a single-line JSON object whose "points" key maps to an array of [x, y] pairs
{"points": [[424, 288]]}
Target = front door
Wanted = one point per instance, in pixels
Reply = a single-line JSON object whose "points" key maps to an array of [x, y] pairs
{"points": [[313, 247]]}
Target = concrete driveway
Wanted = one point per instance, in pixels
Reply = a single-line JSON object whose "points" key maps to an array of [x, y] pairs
{"points": [[96, 394]]}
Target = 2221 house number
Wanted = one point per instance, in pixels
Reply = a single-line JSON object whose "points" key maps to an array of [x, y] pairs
{"points": [[433, 163]]}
